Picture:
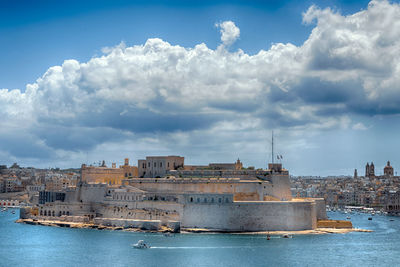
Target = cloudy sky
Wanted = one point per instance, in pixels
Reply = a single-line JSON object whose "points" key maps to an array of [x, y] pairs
{"points": [[208, 80]]}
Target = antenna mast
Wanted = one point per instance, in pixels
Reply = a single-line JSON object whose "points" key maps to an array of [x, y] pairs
{"points": [[272, 147]]}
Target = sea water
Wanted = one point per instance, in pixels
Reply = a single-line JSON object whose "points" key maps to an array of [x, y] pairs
{"points": [[32, 245]]}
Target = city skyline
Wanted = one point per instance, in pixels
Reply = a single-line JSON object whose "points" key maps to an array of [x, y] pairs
{"points": [[208, 81]]}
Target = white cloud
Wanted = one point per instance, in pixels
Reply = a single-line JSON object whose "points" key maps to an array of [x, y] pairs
{"points": [[359, 126], [348, 65], [229, 32]]}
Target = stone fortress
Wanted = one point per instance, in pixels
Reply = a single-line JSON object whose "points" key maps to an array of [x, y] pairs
{"points": [[164, 192]]}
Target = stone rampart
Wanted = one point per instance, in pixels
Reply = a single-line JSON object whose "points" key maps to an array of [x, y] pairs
{"points": [[248, 189], [250, 216]]}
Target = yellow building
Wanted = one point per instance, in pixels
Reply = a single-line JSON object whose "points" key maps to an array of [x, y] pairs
{"points": [[111, 176]]}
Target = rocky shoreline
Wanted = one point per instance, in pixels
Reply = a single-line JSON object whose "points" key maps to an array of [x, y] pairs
{"points": [[187, 230]]}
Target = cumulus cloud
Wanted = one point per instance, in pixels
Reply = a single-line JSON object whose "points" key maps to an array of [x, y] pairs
{"points": [[359, 126], [229, 32], [215, 98]]}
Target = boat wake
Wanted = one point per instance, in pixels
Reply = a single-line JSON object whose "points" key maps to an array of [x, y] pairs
{"points": [[231, 247]]}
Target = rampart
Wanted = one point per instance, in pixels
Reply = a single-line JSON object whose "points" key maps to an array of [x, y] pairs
{"points": [[251, 190], [250, 216]]}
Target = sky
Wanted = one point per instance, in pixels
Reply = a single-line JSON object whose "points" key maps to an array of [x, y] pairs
{"points": [[84, 81]]}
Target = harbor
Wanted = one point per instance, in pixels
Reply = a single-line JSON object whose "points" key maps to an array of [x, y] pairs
{"points": [[205, 249]]}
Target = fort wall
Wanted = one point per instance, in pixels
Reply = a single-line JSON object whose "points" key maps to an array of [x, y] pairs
{"points": [[250, 216]]}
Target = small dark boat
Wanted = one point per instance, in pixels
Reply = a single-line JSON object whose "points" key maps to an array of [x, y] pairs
{"points": [[286, 236]]}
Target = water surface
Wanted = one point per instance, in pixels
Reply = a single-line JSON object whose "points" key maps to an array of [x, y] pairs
{"points": [[31, 245]]}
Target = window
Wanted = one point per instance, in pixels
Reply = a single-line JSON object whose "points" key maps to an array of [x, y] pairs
{"points": [[212, 200], [198, 200], [149, 164], [160, 164], [155, 164], [219, 200], [205, 200], [168, 164], [191, 200]]}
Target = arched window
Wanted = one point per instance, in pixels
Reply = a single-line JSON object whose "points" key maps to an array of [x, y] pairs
{"points": [[45, 213], [191, 199], [67, 213]]}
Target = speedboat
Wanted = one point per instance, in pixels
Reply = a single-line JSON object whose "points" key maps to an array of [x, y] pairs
{"points": [[286, 236], [140, 244]]}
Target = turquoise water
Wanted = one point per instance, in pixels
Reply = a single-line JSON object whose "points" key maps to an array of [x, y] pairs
{"points": [[29, 245]]}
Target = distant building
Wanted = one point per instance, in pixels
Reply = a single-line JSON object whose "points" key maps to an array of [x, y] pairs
{"points": [[370, 170], [157, 166], [1, 185], [12, 184], [388, 170], [355, 173]]}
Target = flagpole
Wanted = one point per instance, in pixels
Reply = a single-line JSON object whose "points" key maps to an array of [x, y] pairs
{"points": [[272, 147]]}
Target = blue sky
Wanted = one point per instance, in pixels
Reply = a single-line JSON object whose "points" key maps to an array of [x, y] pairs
{"points": [[38, 34], [326, 86]]}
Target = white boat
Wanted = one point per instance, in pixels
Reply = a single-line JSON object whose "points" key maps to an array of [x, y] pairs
{"points": [[140, 244]]}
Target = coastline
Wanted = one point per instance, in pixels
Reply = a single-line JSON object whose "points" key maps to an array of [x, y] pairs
{"points": [[316, 231]]}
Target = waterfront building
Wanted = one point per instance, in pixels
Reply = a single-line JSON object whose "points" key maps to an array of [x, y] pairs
{"points": [[215, 199]]}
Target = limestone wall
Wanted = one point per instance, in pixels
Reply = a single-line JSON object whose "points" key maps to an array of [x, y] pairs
{"points": [[242, 190], [250, 216], [320, 206], [106, 175]]}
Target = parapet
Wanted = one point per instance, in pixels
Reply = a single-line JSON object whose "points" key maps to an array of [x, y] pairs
{"points": [[275, 167]]}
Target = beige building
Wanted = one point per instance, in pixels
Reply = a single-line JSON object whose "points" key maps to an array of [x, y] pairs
{"points": [[156, 167], [111, 176]]}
